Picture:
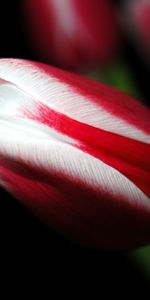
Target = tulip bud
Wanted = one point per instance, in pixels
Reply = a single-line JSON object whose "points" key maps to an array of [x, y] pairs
{"points": [[137, 20], [72, 34], [76, 152]]}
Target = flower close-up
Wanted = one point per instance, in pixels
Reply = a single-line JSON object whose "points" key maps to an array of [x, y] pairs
{"points": [[76, 153]]}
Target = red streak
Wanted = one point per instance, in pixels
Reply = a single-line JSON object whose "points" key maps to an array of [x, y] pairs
{"points": [[128, 156]]}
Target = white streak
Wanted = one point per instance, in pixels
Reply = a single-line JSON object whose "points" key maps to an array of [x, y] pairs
{"points": [[60, 158], [62, 98], [11, 101]]}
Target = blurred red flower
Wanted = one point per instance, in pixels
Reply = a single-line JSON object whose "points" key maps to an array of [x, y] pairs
{"points": [[137, 21], [72, 34]]}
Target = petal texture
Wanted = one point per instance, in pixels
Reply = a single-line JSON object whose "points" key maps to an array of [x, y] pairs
{"points": [[76, 152]]}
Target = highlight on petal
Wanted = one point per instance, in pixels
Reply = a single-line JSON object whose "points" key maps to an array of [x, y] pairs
{"points": [[76, 152]]}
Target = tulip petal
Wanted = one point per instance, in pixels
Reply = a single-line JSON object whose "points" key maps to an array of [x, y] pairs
{"points": [[77, 153]]}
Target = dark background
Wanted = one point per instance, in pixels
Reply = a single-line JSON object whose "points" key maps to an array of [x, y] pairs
{"points": [[29, 247]]}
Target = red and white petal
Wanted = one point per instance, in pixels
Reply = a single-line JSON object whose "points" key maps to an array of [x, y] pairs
{"points": [[53, 178], [87, 180], [79, 98], [88, 113]]}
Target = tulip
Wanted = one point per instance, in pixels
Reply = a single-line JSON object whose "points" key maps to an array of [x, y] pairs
{"points": [[76, 153], [72, 34], [137, 12]]}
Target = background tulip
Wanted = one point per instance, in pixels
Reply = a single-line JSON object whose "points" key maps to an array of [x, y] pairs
{"points": [[72, 34], [75, 152], [137, 24]]}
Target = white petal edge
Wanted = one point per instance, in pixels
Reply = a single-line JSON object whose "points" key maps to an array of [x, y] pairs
{"points": [[74, 163], [62, 98]]}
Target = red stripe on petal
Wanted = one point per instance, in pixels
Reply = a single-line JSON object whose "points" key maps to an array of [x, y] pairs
{"points": [[110, 99], [128, 156]]}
